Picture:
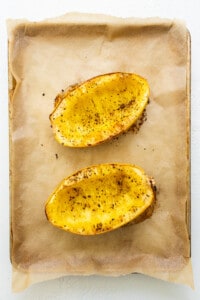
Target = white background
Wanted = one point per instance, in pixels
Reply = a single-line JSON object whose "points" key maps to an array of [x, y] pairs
{"points": [[128, 287]]}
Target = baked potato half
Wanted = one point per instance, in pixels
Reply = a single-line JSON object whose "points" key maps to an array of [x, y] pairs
{"points": [[101, 198], [99, 109]]}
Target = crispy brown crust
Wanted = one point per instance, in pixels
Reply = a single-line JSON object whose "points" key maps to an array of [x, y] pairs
{"points": [[149, 211]]}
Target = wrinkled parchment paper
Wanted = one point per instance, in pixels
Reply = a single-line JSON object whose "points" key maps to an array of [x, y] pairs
{"points": [[47, 57]]}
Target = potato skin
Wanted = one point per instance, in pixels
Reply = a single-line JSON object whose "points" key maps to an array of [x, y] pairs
{"points": [[99, 109], [101, 198]]}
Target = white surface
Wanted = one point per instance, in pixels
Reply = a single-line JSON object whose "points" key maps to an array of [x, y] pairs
{"points": [[128, 287]]}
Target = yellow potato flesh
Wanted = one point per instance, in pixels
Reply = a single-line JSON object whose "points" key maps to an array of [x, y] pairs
{"points": [[100, 198], [99, 109]]}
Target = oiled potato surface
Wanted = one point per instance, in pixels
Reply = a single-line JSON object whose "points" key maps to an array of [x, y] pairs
{"points": [[100, 198], [99, 109]]}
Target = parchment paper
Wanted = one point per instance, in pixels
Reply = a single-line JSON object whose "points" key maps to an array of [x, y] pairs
{"points": [[49, 56]]}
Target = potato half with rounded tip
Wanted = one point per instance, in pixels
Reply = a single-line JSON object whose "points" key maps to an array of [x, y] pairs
{"points": [[99, 109], [100, 198]]}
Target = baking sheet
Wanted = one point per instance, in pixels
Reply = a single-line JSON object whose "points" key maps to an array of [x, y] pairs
{"points": [[47, 57]]}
